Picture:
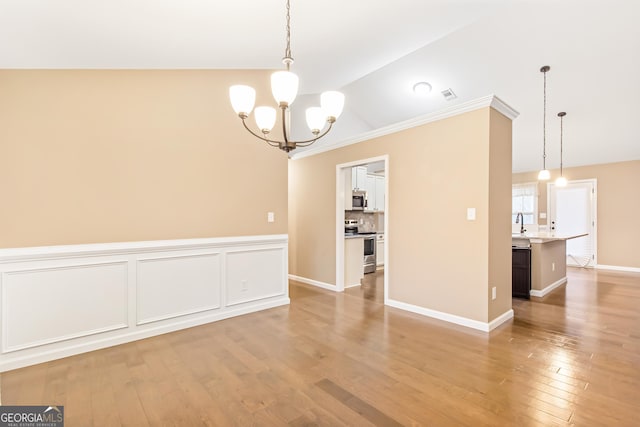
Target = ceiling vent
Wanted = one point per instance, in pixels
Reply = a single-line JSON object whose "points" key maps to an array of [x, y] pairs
{"points": [[448, 94]]}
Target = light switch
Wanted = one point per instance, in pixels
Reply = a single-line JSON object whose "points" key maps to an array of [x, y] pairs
{"points": [[471, 214], [543, 215], [271, 217]]}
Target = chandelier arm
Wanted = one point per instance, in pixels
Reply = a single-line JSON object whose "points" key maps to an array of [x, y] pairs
{"points": [[268, 141], [315, 138]]}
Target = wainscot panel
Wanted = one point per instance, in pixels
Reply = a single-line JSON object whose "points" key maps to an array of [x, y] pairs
{"points": [[63, 300]]}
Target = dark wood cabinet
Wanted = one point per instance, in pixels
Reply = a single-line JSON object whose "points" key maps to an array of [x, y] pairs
{"points": [[521, 272]]}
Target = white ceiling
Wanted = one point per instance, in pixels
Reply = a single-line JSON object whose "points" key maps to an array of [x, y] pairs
{"points": [[375, 51]]}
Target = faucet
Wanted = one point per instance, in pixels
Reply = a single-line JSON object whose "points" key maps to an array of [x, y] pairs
{"points": [[520, 220]]}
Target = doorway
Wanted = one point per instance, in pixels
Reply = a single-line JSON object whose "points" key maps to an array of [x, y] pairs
{"points": [[344, 190], [572, 210]]}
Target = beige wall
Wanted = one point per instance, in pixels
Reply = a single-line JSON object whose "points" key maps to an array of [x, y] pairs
{"points": [[437, 259], [499, 214], [111, 155], [618, 207]]}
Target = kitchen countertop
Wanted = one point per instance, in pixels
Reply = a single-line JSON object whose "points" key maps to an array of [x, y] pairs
{"points": [[544, 237]]}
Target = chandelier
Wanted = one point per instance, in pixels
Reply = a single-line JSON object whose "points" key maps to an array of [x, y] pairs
{"points": [[284, 87], [544, 174]]}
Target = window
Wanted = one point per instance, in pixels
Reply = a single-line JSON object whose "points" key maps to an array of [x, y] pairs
{"points": [[524, 198]]}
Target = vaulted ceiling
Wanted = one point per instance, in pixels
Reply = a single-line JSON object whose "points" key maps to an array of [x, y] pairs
{"points": [[374, 52]]}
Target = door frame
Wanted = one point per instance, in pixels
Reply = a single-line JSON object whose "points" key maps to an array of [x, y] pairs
{"points": [[340, 205], [594, 211]]}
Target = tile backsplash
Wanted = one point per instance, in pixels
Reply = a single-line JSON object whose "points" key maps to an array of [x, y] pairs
{"points": [[371, 221]]}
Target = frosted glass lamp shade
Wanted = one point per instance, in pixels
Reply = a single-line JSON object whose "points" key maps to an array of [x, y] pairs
{"points": [[561, 181], [332, 103], [265, 118], [243, 98], [284, 86], [544, 175], [315, 119]]}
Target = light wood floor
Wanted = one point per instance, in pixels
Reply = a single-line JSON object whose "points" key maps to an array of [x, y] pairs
{"points": [[330, 359]]}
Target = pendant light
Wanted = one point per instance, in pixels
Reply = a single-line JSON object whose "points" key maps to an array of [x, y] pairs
{"points": [[561, 181], [544, 174]]}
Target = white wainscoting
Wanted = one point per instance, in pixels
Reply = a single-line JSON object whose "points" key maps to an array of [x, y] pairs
{"points": [[63, 300]]}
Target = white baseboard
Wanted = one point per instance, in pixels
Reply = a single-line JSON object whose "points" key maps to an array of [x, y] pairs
{"points": [[64, 300], [452, 318], [312, 282], [618, 268], [548, 289]]}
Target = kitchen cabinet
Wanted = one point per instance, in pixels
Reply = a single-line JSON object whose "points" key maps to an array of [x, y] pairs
{"points": [[520, 272], [353, 261], [379, 250], [358, 178], [375, 193]]}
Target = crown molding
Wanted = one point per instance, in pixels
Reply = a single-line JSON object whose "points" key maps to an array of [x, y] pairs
{"points": [[486, 101]]}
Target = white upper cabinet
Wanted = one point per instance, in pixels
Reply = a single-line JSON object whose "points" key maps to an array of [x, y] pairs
{"points": [[375, 193], [358, 178]]}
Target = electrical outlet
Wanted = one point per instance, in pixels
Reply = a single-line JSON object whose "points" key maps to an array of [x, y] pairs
{"points": [[493, 293], [244, 286], [271, 217], [553, 266]]}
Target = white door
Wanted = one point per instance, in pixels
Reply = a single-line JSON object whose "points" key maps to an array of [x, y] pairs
{"points": [[572, 210]]}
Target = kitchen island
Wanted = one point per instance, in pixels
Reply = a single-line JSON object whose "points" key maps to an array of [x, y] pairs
{"points": [[548, 259]]}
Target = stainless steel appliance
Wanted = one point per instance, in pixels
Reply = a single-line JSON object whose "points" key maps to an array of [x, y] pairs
{"points": [[370, 253], [358, 200], [350, 227]]}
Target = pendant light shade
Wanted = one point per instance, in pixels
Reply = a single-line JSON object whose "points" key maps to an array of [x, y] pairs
{"points": [[332, 103], [315, 119], [265, 118], [284, 86], [544, 173], [243, 98]]}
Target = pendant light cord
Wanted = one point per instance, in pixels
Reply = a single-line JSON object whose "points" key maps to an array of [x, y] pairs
{"points": [[544, 124], [561, 117]]}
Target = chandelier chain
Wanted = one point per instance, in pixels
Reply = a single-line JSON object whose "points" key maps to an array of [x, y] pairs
{"points": [[287, 52]]}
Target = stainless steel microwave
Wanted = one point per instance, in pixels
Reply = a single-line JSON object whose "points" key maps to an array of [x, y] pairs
{"points": [[359, 200]]}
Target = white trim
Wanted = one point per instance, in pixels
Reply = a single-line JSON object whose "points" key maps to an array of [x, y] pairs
{"points": [[353, 285], [548, 289], [507, 315], [452, 318], [486, 101], [618, 268], [120, 248], [316, 283]]}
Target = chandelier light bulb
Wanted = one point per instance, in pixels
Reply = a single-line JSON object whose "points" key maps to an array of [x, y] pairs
{"points": [[561, 181]]}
